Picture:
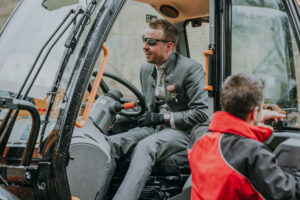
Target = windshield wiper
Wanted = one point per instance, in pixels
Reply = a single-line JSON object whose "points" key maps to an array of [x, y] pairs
{"points": [[79, 11], [70, 44]]}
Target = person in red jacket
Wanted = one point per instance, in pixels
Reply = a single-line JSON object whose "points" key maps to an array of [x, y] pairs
{"points": [[231, 161]]}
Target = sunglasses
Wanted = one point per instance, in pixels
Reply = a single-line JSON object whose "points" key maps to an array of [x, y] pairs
{"points": [[152, 41]]}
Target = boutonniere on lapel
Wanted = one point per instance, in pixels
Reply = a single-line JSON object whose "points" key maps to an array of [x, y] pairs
{"points": [[172, 90]]}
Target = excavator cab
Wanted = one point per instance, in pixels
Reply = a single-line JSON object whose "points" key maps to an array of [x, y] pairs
{"points": [[69, 76]]}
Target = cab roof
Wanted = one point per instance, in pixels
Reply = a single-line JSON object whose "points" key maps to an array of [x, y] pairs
{"points": [[186, 9]]}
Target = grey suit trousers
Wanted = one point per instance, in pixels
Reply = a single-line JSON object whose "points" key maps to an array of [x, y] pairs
{"points": [[150, 146]]}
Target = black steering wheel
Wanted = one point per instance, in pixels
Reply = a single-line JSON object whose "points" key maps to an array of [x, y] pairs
{"points": [[141, 100]]}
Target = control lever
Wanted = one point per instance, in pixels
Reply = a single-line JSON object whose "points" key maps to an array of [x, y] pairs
{"points": [[117, 107]]}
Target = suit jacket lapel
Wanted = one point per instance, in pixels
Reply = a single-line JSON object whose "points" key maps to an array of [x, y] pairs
{"points": [[170, 63], [151, 91]]}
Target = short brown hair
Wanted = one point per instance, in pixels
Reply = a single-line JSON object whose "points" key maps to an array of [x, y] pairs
{"points": [[170, 30], [241, 93]]}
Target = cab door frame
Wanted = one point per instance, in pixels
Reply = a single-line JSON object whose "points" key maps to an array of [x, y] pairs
{"points": [[220, 44]]}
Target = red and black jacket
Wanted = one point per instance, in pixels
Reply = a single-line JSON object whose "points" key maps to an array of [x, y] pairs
{"points": [[231, 162]]}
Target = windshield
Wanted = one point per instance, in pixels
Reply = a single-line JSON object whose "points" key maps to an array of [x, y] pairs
{"points": [[263, 43], [20, 43]]}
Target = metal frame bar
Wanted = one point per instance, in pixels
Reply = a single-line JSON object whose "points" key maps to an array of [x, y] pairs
{"points": [[78, 85]]}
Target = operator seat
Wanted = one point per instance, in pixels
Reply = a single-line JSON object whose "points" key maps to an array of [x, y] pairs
{"points": [[178, 163]]}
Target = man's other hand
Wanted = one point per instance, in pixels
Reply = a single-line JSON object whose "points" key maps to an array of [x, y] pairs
{"points": [[150, 118], [269, 114]]}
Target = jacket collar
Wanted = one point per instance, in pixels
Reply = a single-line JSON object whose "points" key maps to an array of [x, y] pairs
{"points": [[227, 123], [168, 65]]}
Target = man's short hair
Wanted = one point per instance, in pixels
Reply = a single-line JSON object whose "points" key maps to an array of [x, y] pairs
{"points": [[241, 93], [169, 29]]}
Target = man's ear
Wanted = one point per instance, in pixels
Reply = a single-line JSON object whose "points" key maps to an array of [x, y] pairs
{"points": [[170, 46], [253, 116]]}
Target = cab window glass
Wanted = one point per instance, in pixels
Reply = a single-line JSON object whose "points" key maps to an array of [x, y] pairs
{"points": [[198, 39], [263, 43]]}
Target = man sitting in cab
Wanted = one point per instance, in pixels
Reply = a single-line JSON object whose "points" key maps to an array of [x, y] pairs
{"points": [[231, 161], [173, 88]]}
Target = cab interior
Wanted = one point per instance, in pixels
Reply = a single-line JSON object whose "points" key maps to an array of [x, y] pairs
{"points": [[124, 45], [125, 57]]}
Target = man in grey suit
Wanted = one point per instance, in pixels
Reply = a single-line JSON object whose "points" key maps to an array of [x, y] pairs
{"points": [[173, 89]]}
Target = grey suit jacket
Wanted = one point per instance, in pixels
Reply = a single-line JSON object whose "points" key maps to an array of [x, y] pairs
{"points": [[185, 97]]}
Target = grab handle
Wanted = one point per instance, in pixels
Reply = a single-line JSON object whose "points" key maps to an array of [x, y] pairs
{"points": [[207, 86], [94, 89]]}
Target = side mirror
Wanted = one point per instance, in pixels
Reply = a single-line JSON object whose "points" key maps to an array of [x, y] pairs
{"points": [[56, 4]]}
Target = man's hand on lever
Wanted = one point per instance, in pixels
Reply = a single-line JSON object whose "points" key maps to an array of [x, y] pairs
{"points": [[151, 118], [269, 114]]}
